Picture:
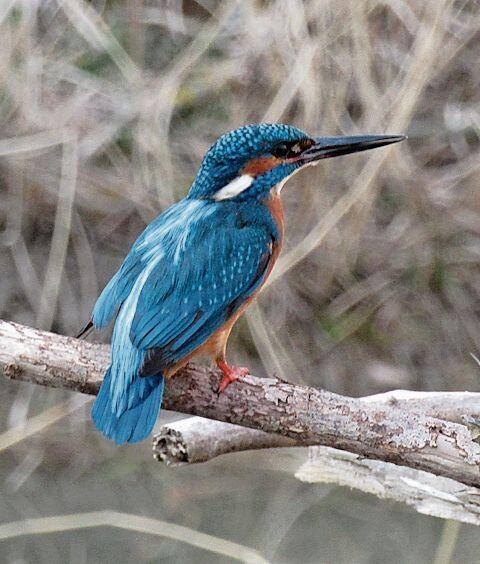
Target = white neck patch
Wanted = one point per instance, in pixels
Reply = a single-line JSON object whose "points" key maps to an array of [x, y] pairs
{"points": [[278, 187], [234, 188]]}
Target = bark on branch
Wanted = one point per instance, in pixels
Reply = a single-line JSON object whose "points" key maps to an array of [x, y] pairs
{"points": [[195, 439], [370, 429]]}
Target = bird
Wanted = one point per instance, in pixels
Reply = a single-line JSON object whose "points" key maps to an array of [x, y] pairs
{"points": [[195, 269]]}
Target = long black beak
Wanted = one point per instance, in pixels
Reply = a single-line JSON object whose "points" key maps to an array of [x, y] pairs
{"points": [[326, 147]]}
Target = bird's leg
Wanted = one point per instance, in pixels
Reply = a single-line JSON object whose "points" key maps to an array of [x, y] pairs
{"points": [[230, 373]]}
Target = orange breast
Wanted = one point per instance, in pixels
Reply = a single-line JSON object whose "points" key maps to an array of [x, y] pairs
{"points": [[274, 204]]}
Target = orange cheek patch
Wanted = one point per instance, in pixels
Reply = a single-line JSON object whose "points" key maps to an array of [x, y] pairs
{"points": [[260, 165]]}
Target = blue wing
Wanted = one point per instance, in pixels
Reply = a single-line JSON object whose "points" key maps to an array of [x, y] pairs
{"points": [[121, 284], [190, 294]]}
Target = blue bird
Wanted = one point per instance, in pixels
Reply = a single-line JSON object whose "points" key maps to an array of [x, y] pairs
{"points": [[197, 266]]}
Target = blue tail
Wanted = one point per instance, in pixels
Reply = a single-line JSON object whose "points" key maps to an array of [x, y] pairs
{"points": [[136, 422]]}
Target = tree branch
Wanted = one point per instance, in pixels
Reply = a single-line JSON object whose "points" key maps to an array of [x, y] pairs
{"points": [[305, 414], [427, 493], [195, 439]]}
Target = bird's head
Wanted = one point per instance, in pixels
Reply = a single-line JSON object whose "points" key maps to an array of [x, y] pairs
{"points": [[250, 161]]}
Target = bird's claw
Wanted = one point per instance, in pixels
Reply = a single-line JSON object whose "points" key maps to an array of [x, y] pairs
{"points": [[230, 374]]}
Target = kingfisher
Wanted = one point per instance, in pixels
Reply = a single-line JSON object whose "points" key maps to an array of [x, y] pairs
{"points": [[196, 267]]}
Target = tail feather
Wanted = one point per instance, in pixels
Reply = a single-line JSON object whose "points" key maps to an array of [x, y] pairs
{"points": [[85, 331], [136, 422]]}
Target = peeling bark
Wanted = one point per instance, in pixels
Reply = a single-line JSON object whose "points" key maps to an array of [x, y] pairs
{"points": [[425, 492], [375, 430]]}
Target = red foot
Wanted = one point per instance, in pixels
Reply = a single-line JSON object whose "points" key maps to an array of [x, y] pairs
{"points": [[230, 374]]}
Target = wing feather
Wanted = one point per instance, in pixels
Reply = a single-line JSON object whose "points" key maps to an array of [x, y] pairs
{"points": [[215, 276], [158, 234]]}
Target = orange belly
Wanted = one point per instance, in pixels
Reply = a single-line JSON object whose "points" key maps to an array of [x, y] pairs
{"points": [[214, 347]]}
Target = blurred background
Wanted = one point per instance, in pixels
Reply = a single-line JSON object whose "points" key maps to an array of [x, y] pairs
{"points": [[106, 109]]}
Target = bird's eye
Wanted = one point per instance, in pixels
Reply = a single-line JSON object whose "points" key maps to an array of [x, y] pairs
{"points": [[281, 150], [291, 149]]}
